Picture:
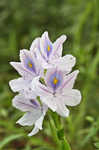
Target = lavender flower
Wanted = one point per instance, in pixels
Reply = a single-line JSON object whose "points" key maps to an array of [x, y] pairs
{"points": [[34, 112], [50, 54], [58, 91], [28, 68]]}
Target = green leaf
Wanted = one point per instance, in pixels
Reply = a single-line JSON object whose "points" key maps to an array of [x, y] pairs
{"points": [[97, 145], [9, 139], [43, 148], [65, 145]]}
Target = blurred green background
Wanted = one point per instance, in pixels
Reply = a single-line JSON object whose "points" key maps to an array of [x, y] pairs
{"points": [[21, 21]]}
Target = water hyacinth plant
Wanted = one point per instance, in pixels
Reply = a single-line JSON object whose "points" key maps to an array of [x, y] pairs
{"points": [[44, 61]]}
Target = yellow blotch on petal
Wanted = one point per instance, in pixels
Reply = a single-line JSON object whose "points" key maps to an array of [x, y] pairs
{"points": [[30, 65], [48, 48], [55, 81]]}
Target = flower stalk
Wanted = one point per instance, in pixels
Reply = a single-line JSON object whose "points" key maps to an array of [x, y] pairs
{"points": [[63, 143]]}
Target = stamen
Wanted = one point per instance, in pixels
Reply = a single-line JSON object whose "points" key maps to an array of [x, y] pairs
{"points": [[30, 65], [55, 81], [48, 48]]}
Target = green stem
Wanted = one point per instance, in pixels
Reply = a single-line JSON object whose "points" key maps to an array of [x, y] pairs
{"points": [[64, 145], [53, 131], [63, 141]]}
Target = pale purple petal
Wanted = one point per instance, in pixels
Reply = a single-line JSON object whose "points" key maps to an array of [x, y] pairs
{"points": [[58, 46], [41, 62], [35, 45], [71, 97], [18, 66], [19, 84], [69, 81], [36, 50], [51, 76], [28, 92], [30, 118], [49, 101], [39, 122], [21, 70], [65, 63], [39, 88], [34, 131], [62, 110], [28, 61], [24, 104], [46, 45], [44, 93]]}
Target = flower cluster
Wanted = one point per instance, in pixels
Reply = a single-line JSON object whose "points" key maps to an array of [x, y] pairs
{"points": [[45, 74]]}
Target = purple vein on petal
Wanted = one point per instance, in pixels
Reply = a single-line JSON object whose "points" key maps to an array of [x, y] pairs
{"points": [[35, 104], [58, 48], [67, 82], [24, 104], [21, 68], [46, 90]]}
